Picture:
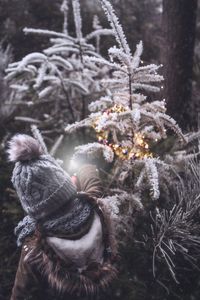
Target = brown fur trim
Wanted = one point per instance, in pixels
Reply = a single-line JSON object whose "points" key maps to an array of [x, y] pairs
{"points": [[63, 277]]}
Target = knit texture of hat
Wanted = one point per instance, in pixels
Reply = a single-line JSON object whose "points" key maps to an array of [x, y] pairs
{"points": [[41, 184]]}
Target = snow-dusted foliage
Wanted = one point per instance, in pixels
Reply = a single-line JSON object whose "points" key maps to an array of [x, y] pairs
{"points": [[7, 96], [124, 119], [59, 75], [93, 150], [127, 122], [123, 208], [37, 135], [175, 231]]}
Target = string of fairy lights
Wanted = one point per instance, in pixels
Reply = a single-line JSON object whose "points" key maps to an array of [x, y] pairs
{"points": [[139, 148]]}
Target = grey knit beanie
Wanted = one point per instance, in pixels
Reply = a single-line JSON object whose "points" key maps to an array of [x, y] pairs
{"points": [[41, 184]]}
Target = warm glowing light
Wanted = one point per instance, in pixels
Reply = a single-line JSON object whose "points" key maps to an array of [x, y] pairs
{"points": [[139, 148], [74, 165]]}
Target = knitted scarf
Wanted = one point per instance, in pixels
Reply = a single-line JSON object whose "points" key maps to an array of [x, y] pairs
{"points": [[62, 223]]}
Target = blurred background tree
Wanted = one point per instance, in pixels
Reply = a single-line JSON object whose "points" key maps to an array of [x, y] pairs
{"points": [[179, 31]]}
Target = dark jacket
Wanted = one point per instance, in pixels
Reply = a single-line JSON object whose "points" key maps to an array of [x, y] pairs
{"points": [[41, 274]]}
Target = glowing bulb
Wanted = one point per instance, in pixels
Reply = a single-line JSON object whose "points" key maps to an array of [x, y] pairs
{"points": [[74, 165]]}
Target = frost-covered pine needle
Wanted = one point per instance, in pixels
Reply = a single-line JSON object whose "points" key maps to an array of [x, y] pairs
{"points": [[117, 28], [65, 8], [38, 136], [77, 19]]}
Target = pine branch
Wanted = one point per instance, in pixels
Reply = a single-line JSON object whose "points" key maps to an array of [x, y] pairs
{"points": [[64, 8], [56, 145], [117, 28], [38, 136], [77, 19], [93, 150], [47, 32]]}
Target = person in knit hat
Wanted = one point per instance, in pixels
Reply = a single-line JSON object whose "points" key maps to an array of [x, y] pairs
{"points": [[68, 247]]}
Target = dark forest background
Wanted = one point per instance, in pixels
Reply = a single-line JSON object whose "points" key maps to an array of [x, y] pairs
{"points": [[170, 30]]}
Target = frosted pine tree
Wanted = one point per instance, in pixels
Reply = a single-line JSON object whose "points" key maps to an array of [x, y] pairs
{"points": [[58, 79], [126, 123], [129, 127]]}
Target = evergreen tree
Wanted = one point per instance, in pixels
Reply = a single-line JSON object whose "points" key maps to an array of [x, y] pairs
{"points": [[129, 130], [58, 76]]}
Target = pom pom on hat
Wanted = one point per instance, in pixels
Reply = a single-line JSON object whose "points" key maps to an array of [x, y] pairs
{"points": [[41, 184], [23, 147]]}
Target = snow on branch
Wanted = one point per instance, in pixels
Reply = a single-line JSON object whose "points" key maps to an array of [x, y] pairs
{"points": [[77, 19], [38, 136], [123, 207], [34, 57], [70, 128], [137, 55], [112, 204], [121, 55], [64, 8], [146, 87], [93, 150], [152, 68], [56, 145], [101, 104], [102, 61], [117, 28], [153, 177], [47, 33], [171, 123], [98, 32]]}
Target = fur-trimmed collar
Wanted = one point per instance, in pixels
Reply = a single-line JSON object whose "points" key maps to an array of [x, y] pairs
{"points": [[63, 276]]}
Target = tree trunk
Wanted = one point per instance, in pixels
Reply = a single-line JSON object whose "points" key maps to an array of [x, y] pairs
{"points": [[179, 23]]}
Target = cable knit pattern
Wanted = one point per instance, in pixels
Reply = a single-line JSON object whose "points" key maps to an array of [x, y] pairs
{"points": [[42, 186], [47, 193]]}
